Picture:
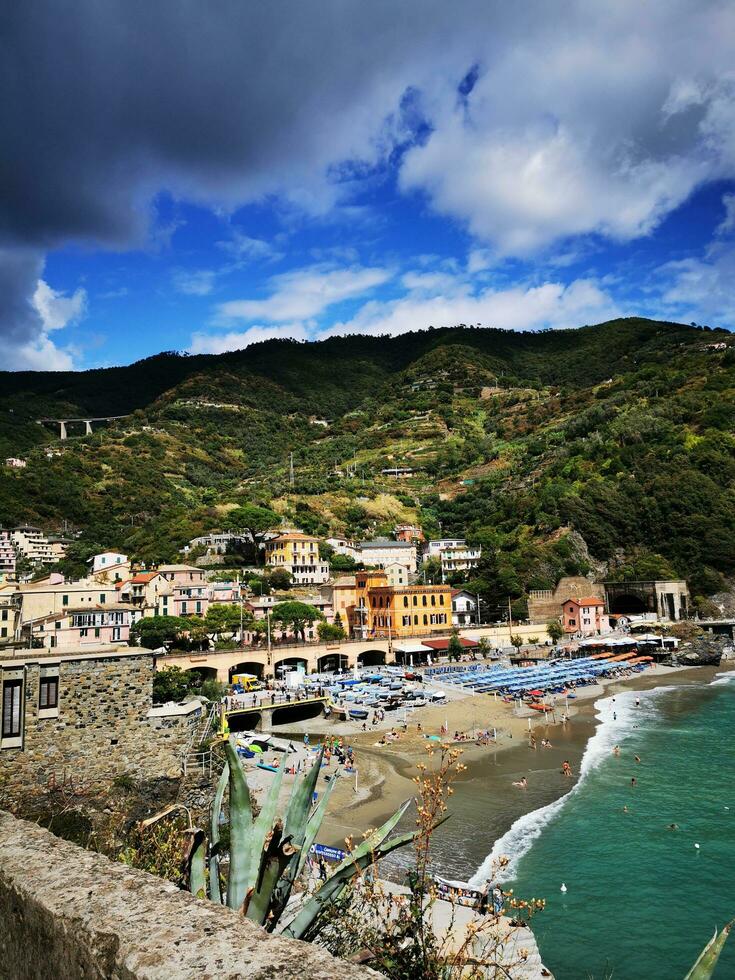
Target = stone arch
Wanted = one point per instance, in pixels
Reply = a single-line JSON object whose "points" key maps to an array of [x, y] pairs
{"points": [[205, 673], [246, 667], [628, 603], [295, 662], [285, 714], [371, 658], [332, 661]]}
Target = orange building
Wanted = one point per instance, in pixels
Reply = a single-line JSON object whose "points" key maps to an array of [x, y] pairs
{"points": [[399, 611]]}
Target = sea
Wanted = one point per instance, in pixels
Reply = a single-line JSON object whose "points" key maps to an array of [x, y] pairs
{"points": [[635, 876]]}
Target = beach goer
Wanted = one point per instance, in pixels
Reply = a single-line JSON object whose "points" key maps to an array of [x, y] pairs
{"points": [[497, 901], [566, 769], [322, 869], [637, 702], [521, 783], [616, 750], [637, 758], [673, 826], [633, 781], [625, 809]]}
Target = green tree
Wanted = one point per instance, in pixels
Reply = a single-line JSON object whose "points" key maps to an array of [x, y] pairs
{"points": [[170, 684], [517, 641], [280, 578], [431, 570], [296, 616], [157, 631], [330, 631], [454, 649], [555, 631], [222, 618]]}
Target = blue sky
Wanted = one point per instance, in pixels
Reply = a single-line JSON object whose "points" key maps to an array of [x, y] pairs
{"points": [[219, 181]]}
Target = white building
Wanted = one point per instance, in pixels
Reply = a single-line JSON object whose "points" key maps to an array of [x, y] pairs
{"points": [[217, 542], [455, 555], [383, 552], [32, 544], [7, 555], [464, 608], [109, 564], [14, 463]]}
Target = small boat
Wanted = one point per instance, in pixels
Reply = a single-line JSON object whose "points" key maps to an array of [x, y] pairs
{"points": [[358, 714], [541, 707]]}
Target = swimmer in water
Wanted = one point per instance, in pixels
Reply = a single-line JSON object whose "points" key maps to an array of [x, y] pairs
{"points": [[521, 783], [633, 781], [625, 809], [673, 826], [637, 758], [616, 750]]}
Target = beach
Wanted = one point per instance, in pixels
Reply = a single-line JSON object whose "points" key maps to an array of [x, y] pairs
{"points": [[485, 803]]}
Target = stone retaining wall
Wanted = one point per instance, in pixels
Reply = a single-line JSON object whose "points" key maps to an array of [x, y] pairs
{"points": [[66, 914], [101, 728]]}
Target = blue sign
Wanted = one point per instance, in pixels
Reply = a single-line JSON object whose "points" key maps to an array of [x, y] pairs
{"points": [[328, 853]]}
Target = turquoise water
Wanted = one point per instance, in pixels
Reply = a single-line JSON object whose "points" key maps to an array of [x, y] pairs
{"points": [[641, 899]]}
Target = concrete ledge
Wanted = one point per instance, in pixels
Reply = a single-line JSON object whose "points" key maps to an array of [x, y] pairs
{"points": [[69, 914]]}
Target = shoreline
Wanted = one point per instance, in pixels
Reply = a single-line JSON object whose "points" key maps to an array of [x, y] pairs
{"points": [[386, 773]]}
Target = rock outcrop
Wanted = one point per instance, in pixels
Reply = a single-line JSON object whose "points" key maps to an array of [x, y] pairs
{"points": [[701, 651]]}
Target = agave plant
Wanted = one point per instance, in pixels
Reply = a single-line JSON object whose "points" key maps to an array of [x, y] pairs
{"points": [[268, 852], [707, 959]]}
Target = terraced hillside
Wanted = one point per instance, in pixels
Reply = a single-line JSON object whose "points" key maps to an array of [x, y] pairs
{"points": [[610, 445]]}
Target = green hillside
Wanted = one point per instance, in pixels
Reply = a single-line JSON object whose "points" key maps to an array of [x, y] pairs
{"points": [[622, 432]]}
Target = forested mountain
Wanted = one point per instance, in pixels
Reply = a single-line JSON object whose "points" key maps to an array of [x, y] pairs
{"points": [[622, 432]]}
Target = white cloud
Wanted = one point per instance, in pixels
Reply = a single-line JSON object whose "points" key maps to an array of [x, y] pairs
{"points": [[195, 282], [524, 307], [203, 343], [40, 354], [243, 247], [56, 309], [593, 119], [727, 225], [701, 289], [304, 293]]}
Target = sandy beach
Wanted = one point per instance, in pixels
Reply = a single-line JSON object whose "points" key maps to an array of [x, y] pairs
{"points": [[385, 773]]}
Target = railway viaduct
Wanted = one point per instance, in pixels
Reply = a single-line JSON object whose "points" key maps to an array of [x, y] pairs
{"points": [[313, 657]]}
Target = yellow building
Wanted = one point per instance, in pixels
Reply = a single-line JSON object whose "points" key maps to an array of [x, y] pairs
{"points": [[411, 610], [298, 554]]}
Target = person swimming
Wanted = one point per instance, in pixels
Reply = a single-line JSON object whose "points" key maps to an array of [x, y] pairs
{"points": [[637, 758], [616, 750], [521, 783], [633, 781], [673, 826]]}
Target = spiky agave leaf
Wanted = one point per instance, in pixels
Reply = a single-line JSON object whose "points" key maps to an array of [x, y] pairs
{"points": [[266, 837], [333, 887], [314, 823], [294, 830], [215, 892], [707, 959], [276, 854], [241, 829], [196, 864]]}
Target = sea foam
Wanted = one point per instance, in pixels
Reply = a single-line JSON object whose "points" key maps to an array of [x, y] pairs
{"points": [[616, 716]]}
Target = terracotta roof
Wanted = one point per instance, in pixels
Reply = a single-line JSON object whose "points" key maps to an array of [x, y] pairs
{"points": [[587, 601], [444, 644], [140, 578], [293, 536]]}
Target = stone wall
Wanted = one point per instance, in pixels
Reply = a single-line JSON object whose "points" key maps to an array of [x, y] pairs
{"points": [[102, 729], [543, 608], [66, 913]]}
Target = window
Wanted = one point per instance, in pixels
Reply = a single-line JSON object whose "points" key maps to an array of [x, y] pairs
{"points": [[96, 632], [426, 620], [12, 694], [5, 615], [572, 622], [48, 693], [83, 633], [424, 600], [65, 600], [415, 620], [103, 598], [441, 600], [433, 599], [415, 600], [57, 625], [4, 631], [405, 602]]}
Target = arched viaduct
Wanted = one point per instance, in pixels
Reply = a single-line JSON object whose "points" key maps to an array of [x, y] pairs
{"points": [[222, 664]]}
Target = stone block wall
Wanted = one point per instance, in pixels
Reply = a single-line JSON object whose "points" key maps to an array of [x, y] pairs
{"points": [[543, 608], [66, 913], [102, 729]]}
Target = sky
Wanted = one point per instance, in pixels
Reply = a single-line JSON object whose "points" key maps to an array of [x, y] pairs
{"points": [[176, 175]]}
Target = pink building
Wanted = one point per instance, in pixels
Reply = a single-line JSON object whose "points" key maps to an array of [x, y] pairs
{"points": [[82, 628], [585, 617], [189, 595]]}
